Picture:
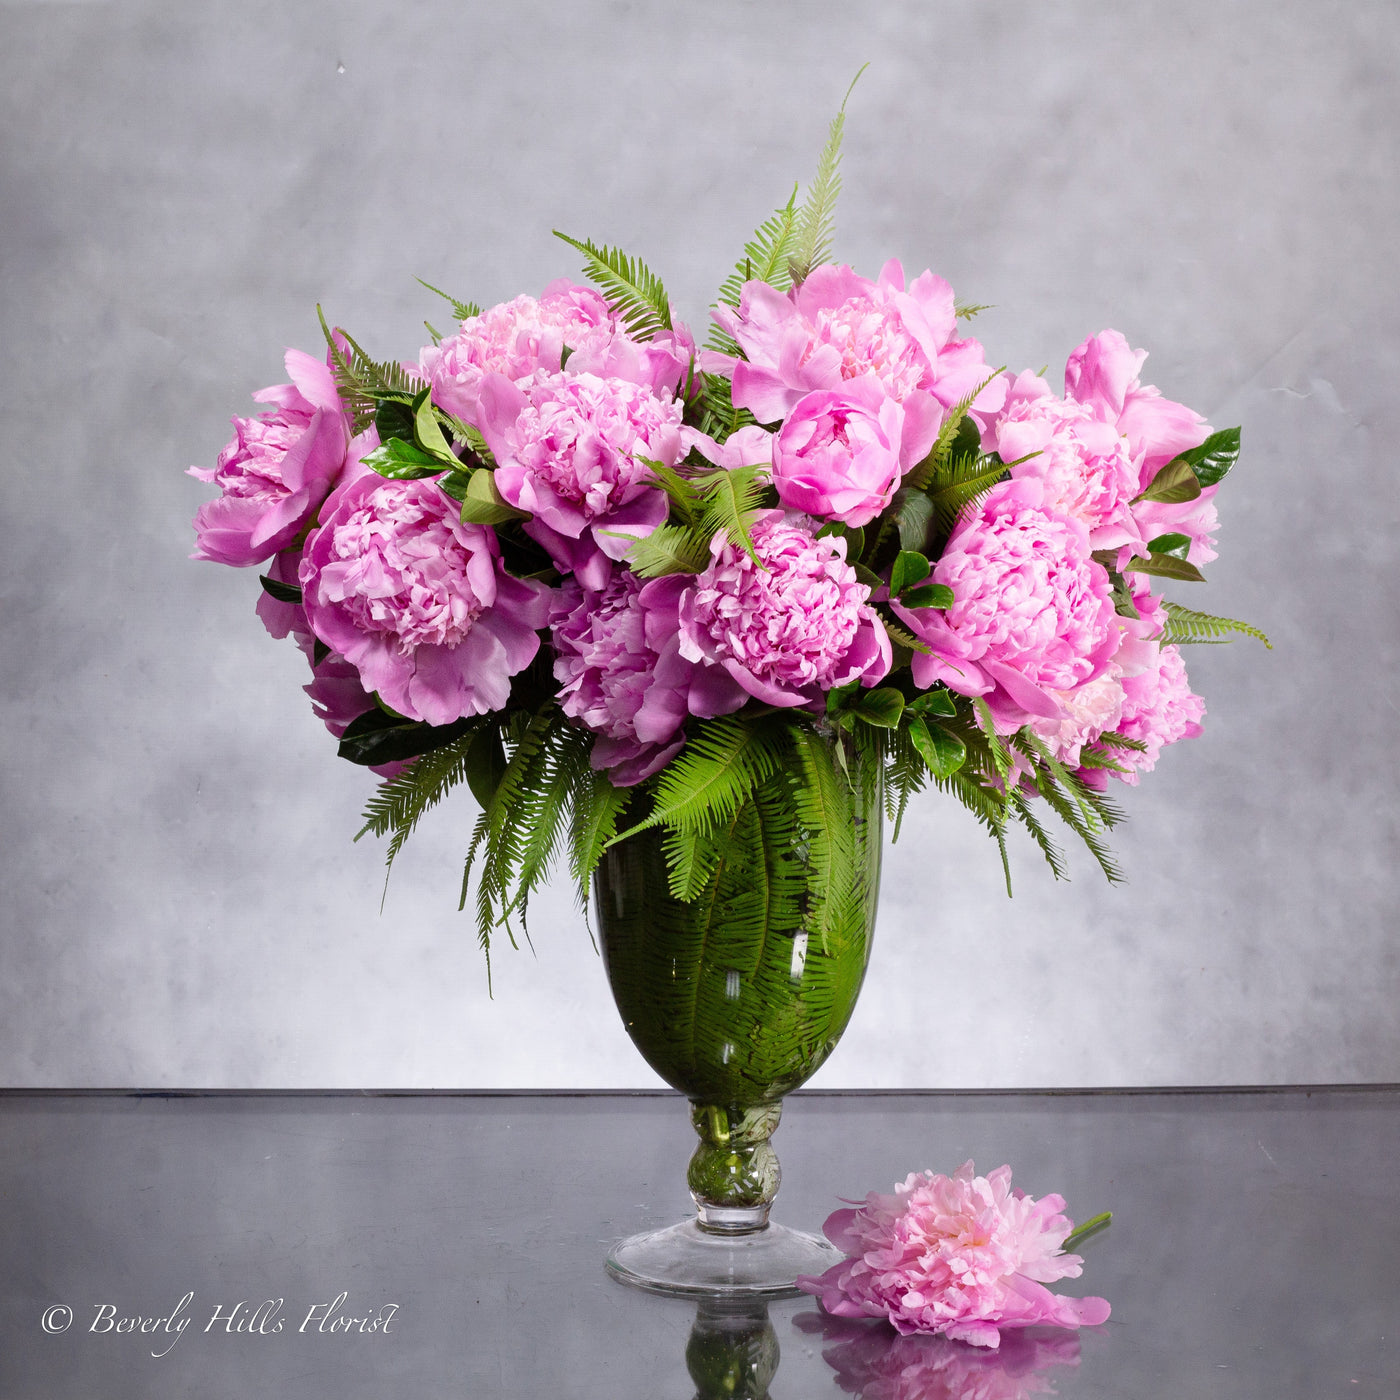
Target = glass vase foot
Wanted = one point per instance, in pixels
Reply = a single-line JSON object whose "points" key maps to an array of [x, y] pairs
{"points": [[690, 1261]]}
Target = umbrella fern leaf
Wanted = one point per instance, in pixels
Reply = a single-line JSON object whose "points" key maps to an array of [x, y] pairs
{"points": [[1187, 625], [816, 219]]}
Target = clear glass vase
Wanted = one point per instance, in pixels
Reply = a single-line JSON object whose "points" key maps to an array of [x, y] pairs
{"points": [[735, 998]]}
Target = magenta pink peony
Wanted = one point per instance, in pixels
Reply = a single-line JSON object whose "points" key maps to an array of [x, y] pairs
{"points": [[964, 1256], [838, 326], [278, 468], [1032, 612], [842, 452], [418, 602], [621, 674], [788, 625], [569, 450]]}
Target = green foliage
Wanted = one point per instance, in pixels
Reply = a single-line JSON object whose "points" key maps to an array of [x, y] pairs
{"points": [[729, 500], [669, 549], [816, 218], [461, 310], [1165, 566], [767, 256], [1174, 484], [1186, 625], [631, 287], [1214, 457], [363, 383]]}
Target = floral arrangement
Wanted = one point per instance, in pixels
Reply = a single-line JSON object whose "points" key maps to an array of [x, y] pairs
{"points": [[963, 1256], [609, 579]]}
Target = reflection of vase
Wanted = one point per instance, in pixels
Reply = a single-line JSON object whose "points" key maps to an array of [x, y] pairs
{"points": [[735, 998], [732, 1353]]}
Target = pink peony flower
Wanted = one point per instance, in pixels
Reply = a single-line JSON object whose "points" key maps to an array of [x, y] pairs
{"points": [[842, 452], [1083, 461], [838, 326], [278, 468], [786, 629], [964, 1256], [417, 601], [1158, 708], [1086, 713], [877, 1364], [1102, 375], [521, 337], [515, 339], [617, 658], [1032, 613], [568, 449]]}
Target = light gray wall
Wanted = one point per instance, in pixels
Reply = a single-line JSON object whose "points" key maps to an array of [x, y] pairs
{"points": [[183, 182]]}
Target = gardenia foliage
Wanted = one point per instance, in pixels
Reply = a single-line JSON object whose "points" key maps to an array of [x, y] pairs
{"points": [[611, 580]]}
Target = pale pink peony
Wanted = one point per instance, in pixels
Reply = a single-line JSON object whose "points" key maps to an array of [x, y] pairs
{"points": [[568, 449], [789, 628], [1032, 613], [417, 601], [515, 339], [278, 468], [874, 1363], [838, 326], [1086, 713], [841, 453], [1103, 375], [964, 1256], [621, 675], [1158, 708], [1083, 461]]}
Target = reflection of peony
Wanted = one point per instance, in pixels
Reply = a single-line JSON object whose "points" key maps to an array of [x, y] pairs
{"points": [[418, 601], [963, 1255], [873, 1363]]}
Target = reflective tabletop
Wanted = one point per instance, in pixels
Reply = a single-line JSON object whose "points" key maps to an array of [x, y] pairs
{"points": [[405, 1245]]}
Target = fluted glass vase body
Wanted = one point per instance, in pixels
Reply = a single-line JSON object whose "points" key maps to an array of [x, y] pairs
{"points": [[736, 996]]}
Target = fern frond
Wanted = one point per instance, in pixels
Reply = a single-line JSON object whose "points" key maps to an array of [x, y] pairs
{"points": [[633, 289], [707, 782], [597, 805], [767, 256], [939, 455], [822, 801], [729, 501], [966, 310], [1185, 625], [1054, 857], [963, 483], [669, 549], [462, 310], [692, 857], [718, 416], [816, 219]]}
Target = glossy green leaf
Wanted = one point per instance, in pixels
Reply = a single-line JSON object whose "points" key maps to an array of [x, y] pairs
{"points": [[934, 702], [1177, 545], [484, 505], [485, 764], [1174, 484], [1214, 457], [393, 419], [400, 460], [910, 567], [1166, 566], [428, 431], [913, 516], [881, 707], [930, 595], [944, 752], [283, 592], [379, 737]]}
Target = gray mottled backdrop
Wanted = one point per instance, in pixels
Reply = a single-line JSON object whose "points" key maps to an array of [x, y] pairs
{"points": [[180, 184]]}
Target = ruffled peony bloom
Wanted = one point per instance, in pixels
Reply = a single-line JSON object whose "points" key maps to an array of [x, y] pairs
{"points": [[874, 1363], [621, 675], [838, 326], [1159, 708], [1083, 461], [567, 448], [515, 339], [1102, 375], [278, 468], [521, 337], [842, 452], [1032, 613], [964, 1256], [417, 601], [790, 628]]}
